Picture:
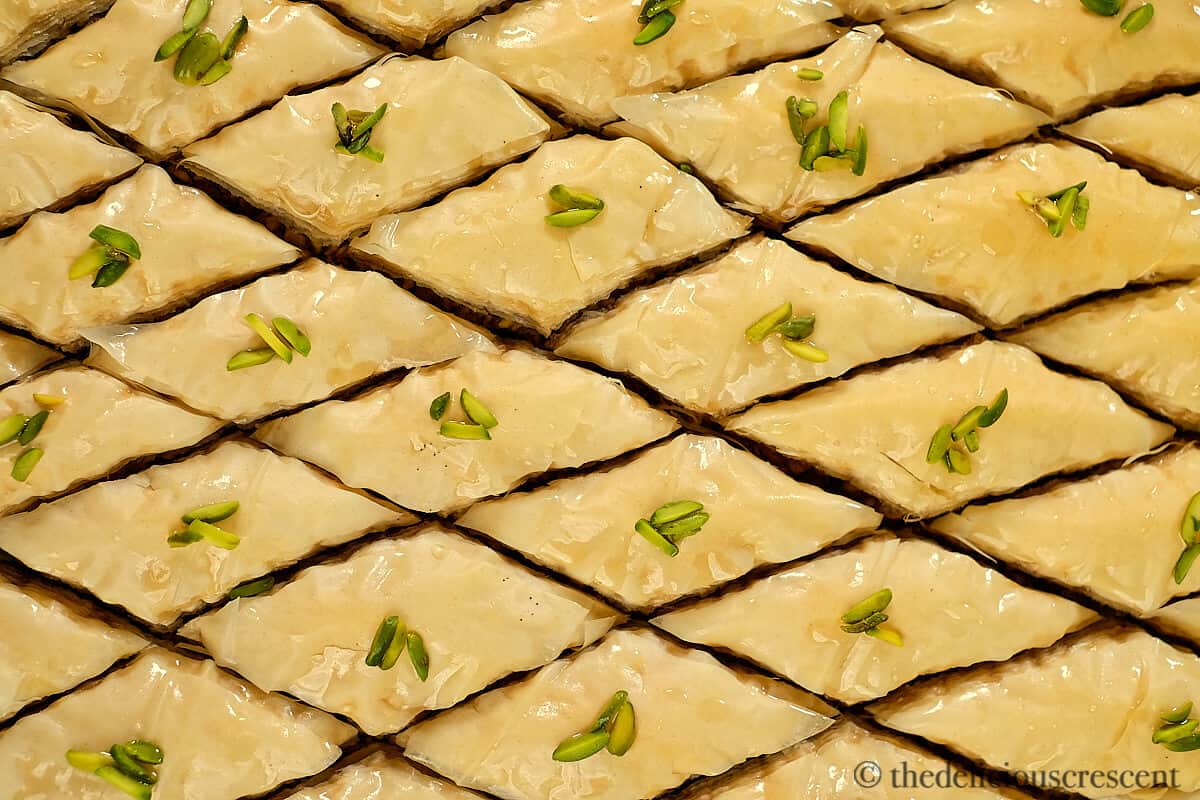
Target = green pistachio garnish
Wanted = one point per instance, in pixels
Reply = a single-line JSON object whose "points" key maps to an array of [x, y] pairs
{"points": [[214, 512], [1138, 18], [652, 8], [839, 121], [384, 635], [195, 13], [292, 335], [11, 427], [573, 218], [1178, 733], [816, 144], [887, 635], [130, 786], [87, 760], [798, 113], [766, 324], [809, 74], [201, 59], [677, 510], [395, 648], [50, 401], [234, 38], [966, 433], [197, 57], [269, 337], [437, 409], [214, 73], [827, 147], [1105, 8], [198, 529], [1173, 733], [33, 426], [128, 767], [145, 752], [939, 444], [1189, 531], [463, 430], [1057, 208], [354, 129], [957, 462], [791, 329], [671, 523], [281, 337], [651, 535], [116, 239], [476, 410], [1178, 714], [580, 207], [391, 639], [686, 168], [173, 44], [250, 358], [108, 259], [1184, 565], [417, 654], [615, 729], [655, 28], [481, 418], [252, 588], [126, 763], [866, 616], [805, 350]]}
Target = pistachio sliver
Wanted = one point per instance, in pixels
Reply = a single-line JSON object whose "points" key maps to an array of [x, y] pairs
{"points": [[126, 763], [887, 635], [116, 239], [1184, 565], [796, 118], [234, 37], [656, 28], [1079, 217], [371, 154], [195, 13], [610, 710], [958, 462], [623, 730], [197, 57], [1066, 210], [859, 164], [764, 325], [213, 535], [11, 427], [130, 786], [87, 264], [33, 426], [183, 539], [437, 409], [678, 509], [806, 351], [269, 337], [683, 528], [816, 144], [939, 445], [573, 217], [1175, 732], [862, 626], [370, 121], [581, 745], [1178, 714], [417, 654], [839, 121], [213, 512], [292, 335], [87, 760], [971, 440], [173, 44], [968, 422], [145, 752], [1185, 745], [1047, 209], [49, 400], [463, 430], [341, 121], [1138, 18], [383, 638], [809, 74], [250, 358], [110, 272], [655, 7], [797, 328], [995, 410], [395, 648], [830, 163], [864, 608], [651, 535], [476, 410], [252, 588], [1189, 527], [1105, 8], [216, 72], [1079, 187]]}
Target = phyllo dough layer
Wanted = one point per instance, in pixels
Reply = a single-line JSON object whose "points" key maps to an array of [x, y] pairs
{"points": [[1114, 536], [1160, 135], [26, 25], [221, 738], [1144, 344], [1057, 54], [102, 424], [694, 717], [966, 236], [188, 245], [551, 415], [579, 55], [875, 429], [108, 69], [382, 776], [583, 526], [489, 246], [950, 611], [687, 337], [111, 539], [824, 768], [735, 131], [1092, 703], [20, 356], [428, 145], [47, 646], [359, 324], [481, 617], [43, 161]]}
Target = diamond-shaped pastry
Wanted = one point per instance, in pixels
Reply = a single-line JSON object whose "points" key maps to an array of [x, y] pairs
{"points": [[1143, 343], [20, 356], [694, 717], [44, 162], [966, 236], [735, 131], [489, 246], [1114, 536], [950, 612], [428, 145], [382, 776], [358, 324], [411, 24], [551, 415], [1092, 703], [1057, 54], [111, 538], [687, 337], [188, 245], [101, 424], [851, 760], [1159, 135], [48, 646], [27, 25], [578, 55], [480, 617], [875, 429], [584, 526], [221, 739], [108, 69]]}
